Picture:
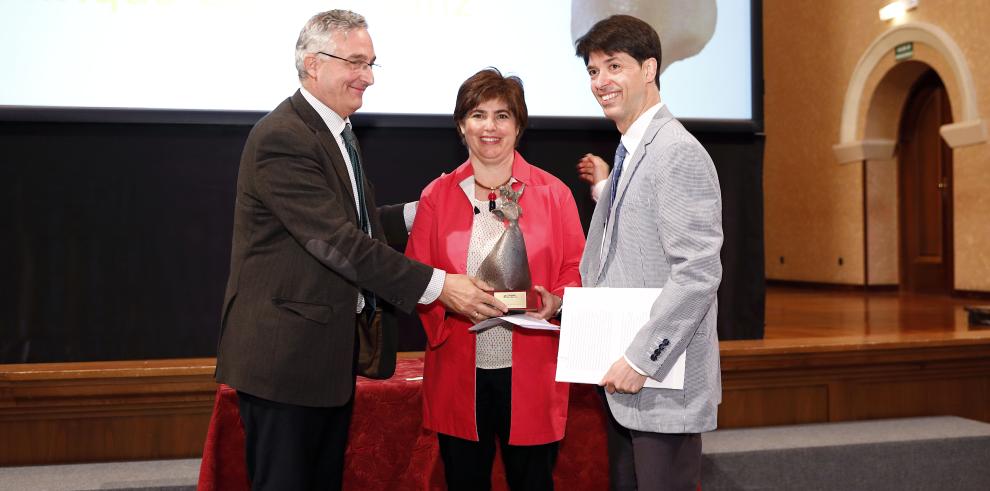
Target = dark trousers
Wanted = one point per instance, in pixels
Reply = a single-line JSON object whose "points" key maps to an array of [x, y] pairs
{"points": [[468, 464], [642, 460], [294, 447]]}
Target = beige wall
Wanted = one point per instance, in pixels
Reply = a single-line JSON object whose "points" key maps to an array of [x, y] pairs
{"points": [[815, 205]]}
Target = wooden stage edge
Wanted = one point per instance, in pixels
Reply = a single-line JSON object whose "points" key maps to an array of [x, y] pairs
{"points": [[156, 409]]}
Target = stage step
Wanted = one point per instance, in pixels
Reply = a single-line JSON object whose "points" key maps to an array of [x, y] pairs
{"points": [[931, 453], [153, 475]]}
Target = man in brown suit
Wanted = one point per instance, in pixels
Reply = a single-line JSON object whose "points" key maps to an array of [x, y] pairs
{"points": [[307, 259]]}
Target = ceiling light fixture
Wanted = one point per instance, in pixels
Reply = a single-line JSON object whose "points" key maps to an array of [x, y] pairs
{"points": [[897, 9]]}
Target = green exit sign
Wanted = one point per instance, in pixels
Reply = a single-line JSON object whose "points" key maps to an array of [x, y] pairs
{"points": [[903, 51]]}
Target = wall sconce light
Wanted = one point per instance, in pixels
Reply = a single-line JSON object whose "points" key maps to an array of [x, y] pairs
{"points": [[897, 9]]}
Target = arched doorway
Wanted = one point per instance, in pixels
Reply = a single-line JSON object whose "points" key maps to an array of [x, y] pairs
{"points": [[870, 135], [925, 185]]}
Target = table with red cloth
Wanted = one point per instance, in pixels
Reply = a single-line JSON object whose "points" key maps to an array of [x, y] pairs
{"points": [[388, 449]]}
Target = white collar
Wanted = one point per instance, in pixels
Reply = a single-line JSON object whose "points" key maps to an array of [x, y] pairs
{"points": [[333, 120], [634, 134]]}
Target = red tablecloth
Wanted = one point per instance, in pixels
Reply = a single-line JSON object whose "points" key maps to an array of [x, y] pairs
{"points": [[389, 450]]}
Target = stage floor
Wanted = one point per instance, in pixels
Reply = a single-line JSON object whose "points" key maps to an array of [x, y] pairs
{"points": [[798, 314]]}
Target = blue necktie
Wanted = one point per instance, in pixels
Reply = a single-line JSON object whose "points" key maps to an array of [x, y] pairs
{"points": [[350, 143], [620, 156]]}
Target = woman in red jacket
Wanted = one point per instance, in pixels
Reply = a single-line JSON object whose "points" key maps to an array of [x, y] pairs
{"points": [[500, 381]]}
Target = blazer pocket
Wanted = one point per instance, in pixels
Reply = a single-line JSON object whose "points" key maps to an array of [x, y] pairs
{"points": [[315, 312]]}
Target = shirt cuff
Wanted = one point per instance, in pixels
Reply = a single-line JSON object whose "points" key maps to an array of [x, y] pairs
{"points": [[634, 367], [433, 289], [409, 214], [597, 188]]}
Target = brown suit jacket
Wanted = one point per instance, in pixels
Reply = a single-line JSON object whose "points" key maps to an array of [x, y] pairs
{"points": [[297, 262]]}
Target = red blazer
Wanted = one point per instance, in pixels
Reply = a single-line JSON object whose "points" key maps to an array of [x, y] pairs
{"points": [[554, 242]]}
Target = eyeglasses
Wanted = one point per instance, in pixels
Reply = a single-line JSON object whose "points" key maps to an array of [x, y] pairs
{"points": [[356, 65]]}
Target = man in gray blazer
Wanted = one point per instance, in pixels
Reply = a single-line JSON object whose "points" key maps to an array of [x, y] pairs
{"points": [[658, 224], [307, 259]]}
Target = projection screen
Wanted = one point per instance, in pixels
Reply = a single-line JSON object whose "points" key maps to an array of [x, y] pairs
{"points": [[237, 55]]}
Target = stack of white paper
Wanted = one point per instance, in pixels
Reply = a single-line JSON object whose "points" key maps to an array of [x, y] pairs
{"points": [[596, 328]]}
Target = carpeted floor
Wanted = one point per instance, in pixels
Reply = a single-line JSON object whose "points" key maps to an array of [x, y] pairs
{"points": [[898, 454], [932, 453], [157, 475]]}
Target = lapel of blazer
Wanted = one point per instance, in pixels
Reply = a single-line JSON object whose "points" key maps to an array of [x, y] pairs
{"points": [[454, 218], [591, 259], [329, 144], [662, 117]]}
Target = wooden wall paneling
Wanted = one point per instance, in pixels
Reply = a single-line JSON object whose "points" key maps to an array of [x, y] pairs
{"points": [[770, 406], [78, 412], [818, 384], [955, 394]]}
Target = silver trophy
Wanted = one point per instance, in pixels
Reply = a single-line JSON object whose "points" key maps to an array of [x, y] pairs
{"points": [[506, 268]]}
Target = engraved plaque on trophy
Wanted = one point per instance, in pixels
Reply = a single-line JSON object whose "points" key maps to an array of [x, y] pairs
{"points": [[517, 300]]}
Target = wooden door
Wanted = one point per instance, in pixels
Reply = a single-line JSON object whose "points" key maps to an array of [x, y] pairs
{"points": [[925, 170]]}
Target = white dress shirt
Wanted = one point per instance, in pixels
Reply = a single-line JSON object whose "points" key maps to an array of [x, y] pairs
{"points": [[336, 125]]}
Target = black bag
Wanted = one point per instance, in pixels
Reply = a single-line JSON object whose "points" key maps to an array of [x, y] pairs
{"points": [[378, 340]]}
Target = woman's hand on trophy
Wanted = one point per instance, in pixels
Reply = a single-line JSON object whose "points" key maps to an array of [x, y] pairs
{"points": [[550, 304]]}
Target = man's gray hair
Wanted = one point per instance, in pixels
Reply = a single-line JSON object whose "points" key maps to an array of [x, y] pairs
{"points": [[317, 34]]}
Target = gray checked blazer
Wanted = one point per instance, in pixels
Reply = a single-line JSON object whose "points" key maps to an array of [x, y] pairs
{"points": [[665, 232]]}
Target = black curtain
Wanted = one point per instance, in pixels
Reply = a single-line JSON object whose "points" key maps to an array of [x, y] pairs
{"points": [[117, 236]]}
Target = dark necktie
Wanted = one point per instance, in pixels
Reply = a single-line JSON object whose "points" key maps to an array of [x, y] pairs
{"points": [[350, 143], [620, 156]]}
